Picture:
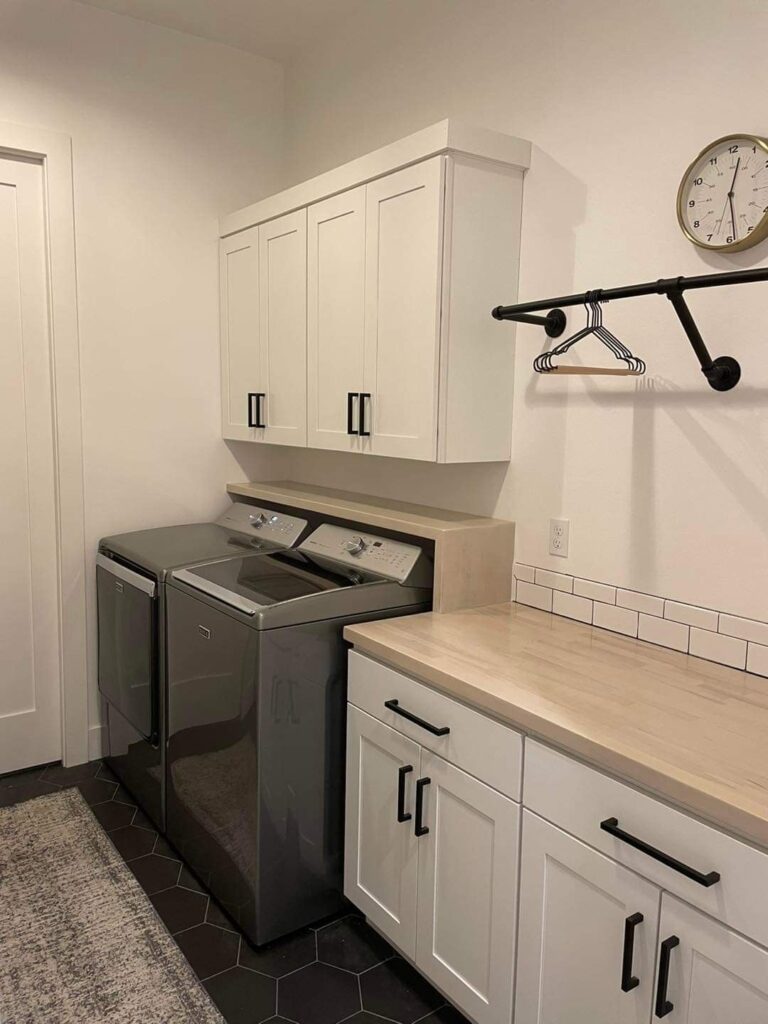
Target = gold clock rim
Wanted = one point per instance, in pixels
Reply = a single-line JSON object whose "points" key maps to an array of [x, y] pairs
{"points": [[755, 237]]}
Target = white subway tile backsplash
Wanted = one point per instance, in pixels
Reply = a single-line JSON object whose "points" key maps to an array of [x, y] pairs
{"points": [[726, 650], [745, 629], [703, 618], [619, 620], [663, 632], [595, 591], [571, 606], [757, 659], [524, 572], [555, 580], [536, 597], [640, 602]]}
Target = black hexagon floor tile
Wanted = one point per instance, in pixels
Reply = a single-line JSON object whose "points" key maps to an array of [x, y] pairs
{"points": [[281, 957], [62, 776], [395, 990], [318, 994], [217, 916], [111, 815], [351, 944], [155, 873], [209, 950], [96, 791], [242, 996], [190, 881], [132, 842], [445, 1015], [180, 908], [26, 789]]}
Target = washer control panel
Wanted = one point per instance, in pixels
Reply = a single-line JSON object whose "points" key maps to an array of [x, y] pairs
{"points": [[390, 558], [263, 524]]}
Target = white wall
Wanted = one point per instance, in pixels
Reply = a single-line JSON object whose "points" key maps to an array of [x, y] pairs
{"points": [[665, 481], [168, 132]]}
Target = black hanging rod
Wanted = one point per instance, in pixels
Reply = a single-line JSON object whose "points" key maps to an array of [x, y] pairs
{"points": [[722, 373]]}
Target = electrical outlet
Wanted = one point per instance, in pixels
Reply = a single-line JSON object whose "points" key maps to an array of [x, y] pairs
{"points": [[559, 534]]}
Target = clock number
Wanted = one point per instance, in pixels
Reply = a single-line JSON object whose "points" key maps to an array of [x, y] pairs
{"points": [[691, 202], [697, 223], [733, 149], [729, 239], [713, 161], [698, 181], [709, 238]]}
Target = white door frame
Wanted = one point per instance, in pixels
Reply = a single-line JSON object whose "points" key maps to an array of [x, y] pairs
{"points": [[55, 152]]}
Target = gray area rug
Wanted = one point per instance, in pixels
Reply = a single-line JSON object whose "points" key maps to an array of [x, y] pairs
{"points": [[80, 943]]}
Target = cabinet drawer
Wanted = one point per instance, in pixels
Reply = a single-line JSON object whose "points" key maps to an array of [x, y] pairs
{"points": [[481, 746], [578, 799]]}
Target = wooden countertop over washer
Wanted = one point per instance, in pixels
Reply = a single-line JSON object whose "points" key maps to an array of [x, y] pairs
{"points": [[473, 554], [693, 732]]}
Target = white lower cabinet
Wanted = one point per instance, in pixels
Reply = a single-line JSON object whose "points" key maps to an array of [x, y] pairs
{"points": [[713, 976], [431, 860], [587, 935]]}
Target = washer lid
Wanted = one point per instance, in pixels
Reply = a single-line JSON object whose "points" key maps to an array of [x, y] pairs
{"points": [[255, 582]]}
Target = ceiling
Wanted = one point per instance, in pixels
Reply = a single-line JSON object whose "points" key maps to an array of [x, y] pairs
{"points": [[270, 28]]}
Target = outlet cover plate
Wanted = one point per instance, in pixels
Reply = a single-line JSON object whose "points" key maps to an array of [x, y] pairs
{"points": [[559, 537]]}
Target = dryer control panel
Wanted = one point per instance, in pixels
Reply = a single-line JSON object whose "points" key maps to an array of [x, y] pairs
{"points": [[263, 523], [389, 558]]}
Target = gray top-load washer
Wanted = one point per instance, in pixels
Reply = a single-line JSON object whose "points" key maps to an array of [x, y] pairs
{"points": [[131, 571], [257, 669]]}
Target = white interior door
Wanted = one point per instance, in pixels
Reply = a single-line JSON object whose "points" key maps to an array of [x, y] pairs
{"points": [[574, 907], [30, 703], [381, 854], [241, 378], [715, 976], [404, 246], [467, 913], [335, 320], [283, 328]]}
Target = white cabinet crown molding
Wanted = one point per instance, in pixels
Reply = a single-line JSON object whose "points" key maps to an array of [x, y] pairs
{"points": [[448, 136]]}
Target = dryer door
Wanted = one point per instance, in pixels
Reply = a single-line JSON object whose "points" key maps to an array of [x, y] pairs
{"points": [[127, 614]]}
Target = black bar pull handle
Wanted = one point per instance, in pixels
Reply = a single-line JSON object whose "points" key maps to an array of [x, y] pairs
{"points": [[420, 828], [351, 396], [394, 705], [663, 1005], [365, 396], [628, 981], [611, 825], [402, 814], [254, 415]]}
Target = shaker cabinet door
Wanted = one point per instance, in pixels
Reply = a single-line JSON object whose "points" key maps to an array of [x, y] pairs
{"points": [[468, 863], [587, 934], [335, 319], [240, 348], [381, 854], [403, 294]]}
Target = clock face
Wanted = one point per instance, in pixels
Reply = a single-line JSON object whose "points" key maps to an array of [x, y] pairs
{"points": [[722, 203]]}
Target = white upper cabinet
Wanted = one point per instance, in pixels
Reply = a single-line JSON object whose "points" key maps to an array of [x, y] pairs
{"points": [[263, 332], [336, 320], [406, 251]]}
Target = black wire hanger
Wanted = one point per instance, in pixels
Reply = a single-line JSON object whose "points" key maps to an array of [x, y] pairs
{"points": [[634, 365]]}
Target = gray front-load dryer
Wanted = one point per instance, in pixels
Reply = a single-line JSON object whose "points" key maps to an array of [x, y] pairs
{"points": [[131, 571], [257, 717]]}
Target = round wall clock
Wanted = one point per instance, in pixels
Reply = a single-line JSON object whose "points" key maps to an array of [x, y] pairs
{"points": [[722, 202]]}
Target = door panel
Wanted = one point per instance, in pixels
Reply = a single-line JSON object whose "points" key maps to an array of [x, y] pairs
{"points": [[467, 891], [240, 363], [335, 321], [381, 854], [404, 216], [283, 328], [574, 903], [715, 975], [30, 722]]}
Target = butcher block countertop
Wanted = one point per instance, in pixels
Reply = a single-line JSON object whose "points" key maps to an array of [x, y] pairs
{"points": [[693, 732]]}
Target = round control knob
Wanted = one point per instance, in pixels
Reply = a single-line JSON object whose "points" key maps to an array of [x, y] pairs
{"points": [[258, 521], [356, 546]]}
